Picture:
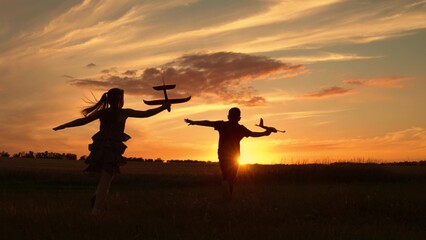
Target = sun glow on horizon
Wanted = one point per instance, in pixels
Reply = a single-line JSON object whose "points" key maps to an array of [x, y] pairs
{"points": [[244, 160], [254, 151]]}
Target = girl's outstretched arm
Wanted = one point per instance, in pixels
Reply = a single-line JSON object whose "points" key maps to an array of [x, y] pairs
{"points": [[148, 113], [78, 122], [205, 123]]}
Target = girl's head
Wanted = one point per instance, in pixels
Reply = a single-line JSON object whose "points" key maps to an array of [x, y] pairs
{"points": [[113, 99]]}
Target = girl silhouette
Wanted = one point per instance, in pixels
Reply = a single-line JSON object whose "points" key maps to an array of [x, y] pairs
{"points": [[107, 148]]}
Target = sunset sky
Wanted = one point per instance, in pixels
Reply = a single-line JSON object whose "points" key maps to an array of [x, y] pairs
{"points": [[345, 78]]}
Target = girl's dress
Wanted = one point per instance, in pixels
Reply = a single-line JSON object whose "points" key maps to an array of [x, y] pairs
{"points": [[107, 147]]}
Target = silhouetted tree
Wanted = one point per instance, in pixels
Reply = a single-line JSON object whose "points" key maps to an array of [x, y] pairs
{"points": [[19, 155], [4, 154], [71, 156]]}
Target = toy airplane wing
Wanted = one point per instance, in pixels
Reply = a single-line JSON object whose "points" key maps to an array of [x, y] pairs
{"points": [[160, 102], [164, 88]]}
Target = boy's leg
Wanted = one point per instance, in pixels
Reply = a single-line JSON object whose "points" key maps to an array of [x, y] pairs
{"points": [[232, 177], [102, 191], [226, 192], [229, 174]]}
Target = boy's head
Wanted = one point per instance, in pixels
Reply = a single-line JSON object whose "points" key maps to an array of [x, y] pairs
{"points": [[234, 114]]}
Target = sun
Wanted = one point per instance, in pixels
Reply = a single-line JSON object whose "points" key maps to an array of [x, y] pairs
{"points": [[248, 158]]}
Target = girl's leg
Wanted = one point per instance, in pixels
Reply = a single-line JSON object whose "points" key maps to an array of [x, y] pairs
{"points": [[102, 191]]}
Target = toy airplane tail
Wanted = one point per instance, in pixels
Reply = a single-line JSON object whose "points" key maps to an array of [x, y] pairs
{"points": [[261, 123], [272, 129]]}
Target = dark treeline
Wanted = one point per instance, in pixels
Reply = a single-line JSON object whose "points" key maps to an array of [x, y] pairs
{"points": [[152, 160], [134, 159], [45, 154], [71, 156], [159, 160]]}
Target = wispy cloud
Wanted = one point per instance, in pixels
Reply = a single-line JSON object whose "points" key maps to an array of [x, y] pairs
{"points": [[310, 114], [329, 92], [326, 57], [411, 142], [381, 82], [344, 22], [219, 75], [132, 28]]}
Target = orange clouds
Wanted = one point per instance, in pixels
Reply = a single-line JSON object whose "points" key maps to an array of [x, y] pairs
{"points": [[329, 92], [218, 76], [381, 82]]}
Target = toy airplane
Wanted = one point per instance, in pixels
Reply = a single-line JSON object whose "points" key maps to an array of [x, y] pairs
{"points": [[272, 129], [164, 87]]}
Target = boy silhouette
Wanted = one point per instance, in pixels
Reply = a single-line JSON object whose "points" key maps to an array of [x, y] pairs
{"points": [[230, 135]]}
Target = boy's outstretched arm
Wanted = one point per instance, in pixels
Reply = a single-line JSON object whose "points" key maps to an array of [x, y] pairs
{"points": [[205, 123], [261, 134]]}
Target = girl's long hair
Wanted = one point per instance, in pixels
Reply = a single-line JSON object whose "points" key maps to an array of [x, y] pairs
{"points": [[111, 99]]}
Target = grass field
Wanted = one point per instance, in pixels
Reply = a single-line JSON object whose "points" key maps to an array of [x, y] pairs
{"points": [[49, 199]]}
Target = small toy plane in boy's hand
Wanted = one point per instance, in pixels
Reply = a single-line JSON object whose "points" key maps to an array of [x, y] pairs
{"points": [[272, 129]]}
